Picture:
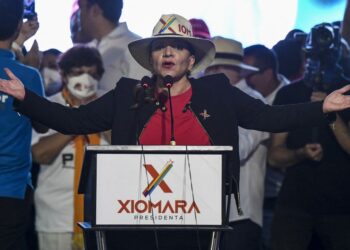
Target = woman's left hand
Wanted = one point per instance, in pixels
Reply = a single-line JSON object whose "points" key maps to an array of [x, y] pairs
{"points": [[337, 101]]}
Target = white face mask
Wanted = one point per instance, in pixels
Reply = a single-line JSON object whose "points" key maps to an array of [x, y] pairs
{"points": [[50, 76], [82, 86]]}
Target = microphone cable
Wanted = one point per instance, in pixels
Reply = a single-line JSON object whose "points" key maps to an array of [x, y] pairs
{"points": [[187, 160], [168, 82], [143, 158]]}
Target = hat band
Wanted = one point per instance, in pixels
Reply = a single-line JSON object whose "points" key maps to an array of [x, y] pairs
{"points": [[167, 34], [229, 56]]}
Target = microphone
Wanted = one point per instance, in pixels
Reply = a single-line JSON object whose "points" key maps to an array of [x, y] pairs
{"points": [[146, 82], [168, 81], [147, 85], [143, 92]]}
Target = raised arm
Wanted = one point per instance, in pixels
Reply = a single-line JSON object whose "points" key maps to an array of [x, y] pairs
{"points": [[253, 114], [337, 100], [339, 128], [87, 119], [13, 87]]}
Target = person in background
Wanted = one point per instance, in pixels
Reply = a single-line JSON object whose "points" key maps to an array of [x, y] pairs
{"points": [[295, 34], [312, 202], [49, 71], [345, 23], [200, 29], [76, 33], [15, 155], [28, 30], [246, 223], [31, 58], [99, 19], [58, 205], [208, 111], [291, 58], [267, 81]]}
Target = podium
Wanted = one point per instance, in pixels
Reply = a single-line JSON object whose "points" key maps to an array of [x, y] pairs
{"points": [[154, 188]]}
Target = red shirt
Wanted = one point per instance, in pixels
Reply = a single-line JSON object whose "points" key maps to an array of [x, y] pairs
{"points": [[187, 129]]}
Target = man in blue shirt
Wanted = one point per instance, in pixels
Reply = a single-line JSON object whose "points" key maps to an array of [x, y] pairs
{"points": [[15, 136]]}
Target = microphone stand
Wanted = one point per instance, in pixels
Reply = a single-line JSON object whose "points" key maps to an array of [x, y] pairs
{"points": [[169, 81], [172, 137]]}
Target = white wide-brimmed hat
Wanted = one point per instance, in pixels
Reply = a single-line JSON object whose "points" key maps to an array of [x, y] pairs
{"points": [[230, 52], [174, 26]]}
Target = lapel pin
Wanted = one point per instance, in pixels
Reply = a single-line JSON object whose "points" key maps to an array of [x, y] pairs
{"points": [[204, 114]]}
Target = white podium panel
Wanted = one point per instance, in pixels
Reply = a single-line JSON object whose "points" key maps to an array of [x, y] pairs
{"points": [[159, 189]]}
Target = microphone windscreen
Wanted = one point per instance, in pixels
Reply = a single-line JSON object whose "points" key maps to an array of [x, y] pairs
{"points": [[168, 81], [146, 81]]}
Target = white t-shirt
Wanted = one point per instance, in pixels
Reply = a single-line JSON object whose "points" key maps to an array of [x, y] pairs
{"points": [[117, 60], [252, 169], [53, 197], [283, 82]]}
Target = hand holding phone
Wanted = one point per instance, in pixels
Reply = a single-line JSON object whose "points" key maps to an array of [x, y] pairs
{"points": [[29, 28]]}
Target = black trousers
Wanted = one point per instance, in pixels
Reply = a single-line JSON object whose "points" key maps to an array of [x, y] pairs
{"points": [[14, 216], [149, 240], [167, 240], [293, 230], [246, 235]]}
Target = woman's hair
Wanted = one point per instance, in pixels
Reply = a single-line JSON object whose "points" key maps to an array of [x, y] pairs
{"points": [[78, 56]]}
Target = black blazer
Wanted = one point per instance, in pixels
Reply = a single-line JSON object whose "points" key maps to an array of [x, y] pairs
{"points": [[227, 106]]}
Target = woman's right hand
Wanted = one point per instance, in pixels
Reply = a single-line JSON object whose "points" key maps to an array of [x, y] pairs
{"points": [[13, 87]]}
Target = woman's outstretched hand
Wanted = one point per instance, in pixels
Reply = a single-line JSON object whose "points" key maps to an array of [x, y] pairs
{"points": [[13, 87], [337, 101]]}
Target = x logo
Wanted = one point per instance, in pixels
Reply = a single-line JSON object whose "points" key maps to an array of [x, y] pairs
{"points": [[157, 179], [166, 25]]}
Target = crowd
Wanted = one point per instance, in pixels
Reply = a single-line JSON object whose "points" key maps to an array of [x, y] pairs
{"points": [[285, 111]]}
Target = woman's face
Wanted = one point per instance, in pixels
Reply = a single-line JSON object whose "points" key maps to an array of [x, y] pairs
{"points": [[171, 57]]}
